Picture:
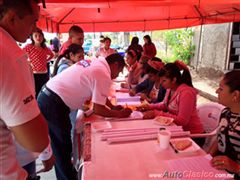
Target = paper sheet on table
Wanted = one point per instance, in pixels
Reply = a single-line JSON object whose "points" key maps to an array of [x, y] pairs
{"points": [[130, 103], [125, 96], [101, 126], [134, 116], [197, 167], [125, 99]]}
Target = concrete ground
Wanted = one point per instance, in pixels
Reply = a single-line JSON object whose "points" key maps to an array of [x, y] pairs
{"points": [[50, 175], [206, 87]]}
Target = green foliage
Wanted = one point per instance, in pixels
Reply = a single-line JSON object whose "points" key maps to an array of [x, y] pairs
{"points": [[178, 45]]}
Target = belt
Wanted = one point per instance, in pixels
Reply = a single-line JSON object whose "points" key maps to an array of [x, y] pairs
{"points": [[52, 95]]}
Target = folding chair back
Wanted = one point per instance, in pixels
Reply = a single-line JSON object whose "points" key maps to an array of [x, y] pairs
{"points": [[209, 114]]}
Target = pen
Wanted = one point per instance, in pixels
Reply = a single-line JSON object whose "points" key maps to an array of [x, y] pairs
{"points": [[175, 150]]}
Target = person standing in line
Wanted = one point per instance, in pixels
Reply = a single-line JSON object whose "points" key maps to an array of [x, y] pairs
{"points": [[71, 55], [69, 90], [106, 50], [149, 48], [55, 45], [39, 55], [76, 36], [101, 41], [225, 150], [136, 46], [19, 112]]}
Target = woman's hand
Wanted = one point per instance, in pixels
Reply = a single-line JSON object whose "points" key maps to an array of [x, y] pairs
{"points": [[149, 115], [124, 85], [132, 92], [143, 97], [224, 162], [143, 107]]}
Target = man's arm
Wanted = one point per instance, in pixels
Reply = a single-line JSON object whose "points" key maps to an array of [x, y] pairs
{"points": [[112, 107], [102, 110], [32, 135], [109, 104]]}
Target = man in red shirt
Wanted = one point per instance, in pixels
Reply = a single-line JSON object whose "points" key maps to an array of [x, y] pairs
{"points": [[76, 36]]}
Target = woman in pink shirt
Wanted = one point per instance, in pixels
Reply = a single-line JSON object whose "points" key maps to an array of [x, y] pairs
{"points": [[180, 100], [134, 68], [39, 54]]}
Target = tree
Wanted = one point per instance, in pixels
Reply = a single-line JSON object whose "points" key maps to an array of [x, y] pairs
{"points": [[180, 44]]}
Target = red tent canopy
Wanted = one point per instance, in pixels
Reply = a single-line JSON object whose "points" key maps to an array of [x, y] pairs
{"points": [[135, 15]]}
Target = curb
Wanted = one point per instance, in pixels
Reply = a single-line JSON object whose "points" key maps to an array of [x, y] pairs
{"points": [[207, 95]]}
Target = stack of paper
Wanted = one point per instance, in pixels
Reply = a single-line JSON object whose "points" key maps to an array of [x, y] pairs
{"points": [[197, 167], [125, 98]]}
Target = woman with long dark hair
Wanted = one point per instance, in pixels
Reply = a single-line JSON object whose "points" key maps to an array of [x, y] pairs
{"points": [[151, 89], [149, 48], [180, 101], [136, 46], [70, 56], [39, 55], [225, 150]]}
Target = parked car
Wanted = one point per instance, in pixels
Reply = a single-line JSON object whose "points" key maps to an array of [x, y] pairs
{"points": [[87, 45], [119, 49]]}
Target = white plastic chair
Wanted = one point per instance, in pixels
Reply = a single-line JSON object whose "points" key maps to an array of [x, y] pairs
{"points": [[209, 114]]}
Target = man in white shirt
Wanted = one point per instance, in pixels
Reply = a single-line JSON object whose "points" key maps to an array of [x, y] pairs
{"points": [[69, 90], [19, 112]]}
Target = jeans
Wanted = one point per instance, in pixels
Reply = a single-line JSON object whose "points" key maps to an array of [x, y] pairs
{"points": [[57, 115]]}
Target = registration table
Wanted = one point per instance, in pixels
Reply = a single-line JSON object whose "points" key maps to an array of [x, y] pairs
{"points": [[135, 160], [127, 160]]}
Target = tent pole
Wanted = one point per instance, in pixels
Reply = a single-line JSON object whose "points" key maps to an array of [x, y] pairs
{"points": [[46, 23], [44, 4], [52, 26], [57, 26], [200, 36], [227, 57], [199, 47]]}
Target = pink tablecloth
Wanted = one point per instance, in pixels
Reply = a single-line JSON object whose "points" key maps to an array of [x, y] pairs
{"points": [[135, 160]]}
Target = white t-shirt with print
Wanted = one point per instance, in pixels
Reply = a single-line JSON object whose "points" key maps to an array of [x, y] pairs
{"points": [[77, 84], [17, 102]]}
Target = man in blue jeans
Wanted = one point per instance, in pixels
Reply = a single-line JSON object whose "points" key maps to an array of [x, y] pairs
{"points": [[69, 90]]}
